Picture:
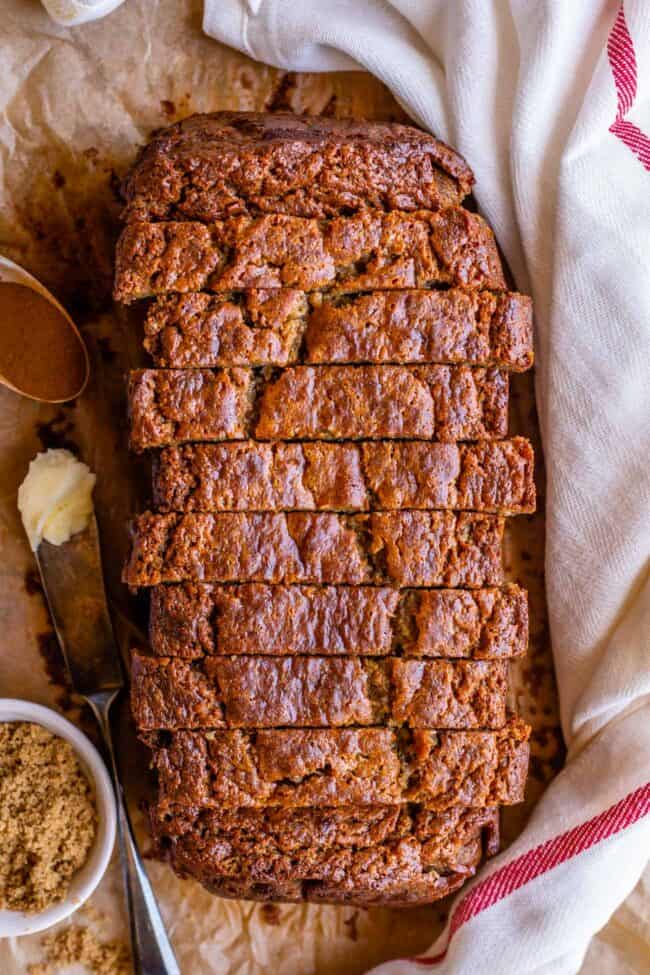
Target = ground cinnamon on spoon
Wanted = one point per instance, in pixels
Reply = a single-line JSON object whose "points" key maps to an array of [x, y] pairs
{"points": [[40, 353]]}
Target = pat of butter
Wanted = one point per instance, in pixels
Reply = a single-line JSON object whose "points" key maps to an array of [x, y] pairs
{"points": [[70, 13], [55, 499]]}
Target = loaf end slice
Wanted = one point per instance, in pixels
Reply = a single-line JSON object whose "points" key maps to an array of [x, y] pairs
{"points": [[226, 163], [376, 853]]}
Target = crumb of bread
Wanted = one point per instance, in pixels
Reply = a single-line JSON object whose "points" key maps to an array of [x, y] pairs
{"points": [[48, 818], [75, 945]]}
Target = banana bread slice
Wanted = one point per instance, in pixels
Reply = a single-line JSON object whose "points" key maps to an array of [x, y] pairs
{"points": [[370, 250], [480, 328], [251, 476], [341, 766], [407, 548], [167, 407], [316, 692], [258, 327], [282, 327], [318, 403], [342, 846], [190, 620], [226, 163]]}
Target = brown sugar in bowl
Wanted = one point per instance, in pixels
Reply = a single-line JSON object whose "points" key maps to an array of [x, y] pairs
{"points": [[84, 879]]}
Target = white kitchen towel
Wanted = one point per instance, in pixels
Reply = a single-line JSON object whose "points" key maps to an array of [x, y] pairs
{"points": [[549, 101]]}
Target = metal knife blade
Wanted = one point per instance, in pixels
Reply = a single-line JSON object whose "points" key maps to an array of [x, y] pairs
{"points": [[73, 581]]}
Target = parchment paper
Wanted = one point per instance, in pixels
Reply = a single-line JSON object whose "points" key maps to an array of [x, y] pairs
{"points": [[74, 105]]}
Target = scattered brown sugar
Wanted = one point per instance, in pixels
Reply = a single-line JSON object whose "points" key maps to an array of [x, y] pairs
{"points": [[48, 818], [76, 945]]}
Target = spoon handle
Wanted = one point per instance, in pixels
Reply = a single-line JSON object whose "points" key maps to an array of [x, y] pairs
{"points": [[151, 949]]}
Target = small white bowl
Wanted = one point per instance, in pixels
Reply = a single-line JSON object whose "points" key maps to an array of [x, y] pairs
{"points": [[16, 923]]}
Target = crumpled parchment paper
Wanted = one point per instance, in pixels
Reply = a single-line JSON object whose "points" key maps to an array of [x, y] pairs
{"points": [[74, 105]]}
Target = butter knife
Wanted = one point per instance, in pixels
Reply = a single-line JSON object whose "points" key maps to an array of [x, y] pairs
{"points": [[73, 581]]}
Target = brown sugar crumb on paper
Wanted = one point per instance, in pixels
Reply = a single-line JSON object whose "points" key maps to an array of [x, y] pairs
{"points": [[270, 914], [48, 818], [76, 945]]}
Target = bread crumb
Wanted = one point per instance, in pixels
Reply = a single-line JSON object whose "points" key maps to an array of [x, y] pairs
{"points": [[48, 819], [76, 945]]}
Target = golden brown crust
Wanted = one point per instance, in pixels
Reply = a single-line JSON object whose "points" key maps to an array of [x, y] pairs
{"points": [[445, 403], [307, 746], [228, 163], [273, 833], [316, 692], [285, 327], [341, 766], [484, 624], [251, 476], [190, 620], [370, 250], [407, 548]]}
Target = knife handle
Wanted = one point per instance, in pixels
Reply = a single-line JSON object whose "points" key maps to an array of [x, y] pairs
{"points": [[151, 949]]}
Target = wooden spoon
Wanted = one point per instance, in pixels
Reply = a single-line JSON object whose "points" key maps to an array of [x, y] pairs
{"points": [[42, 354]]}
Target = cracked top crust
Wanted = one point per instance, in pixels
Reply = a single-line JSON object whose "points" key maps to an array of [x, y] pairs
{"points": [[376, 850], [368, 251], [251, 476], [341, 766], [229, 163], [446, 403]]}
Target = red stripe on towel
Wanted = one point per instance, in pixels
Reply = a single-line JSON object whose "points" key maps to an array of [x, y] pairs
{"points": [[543, 858], [622, 60]]}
